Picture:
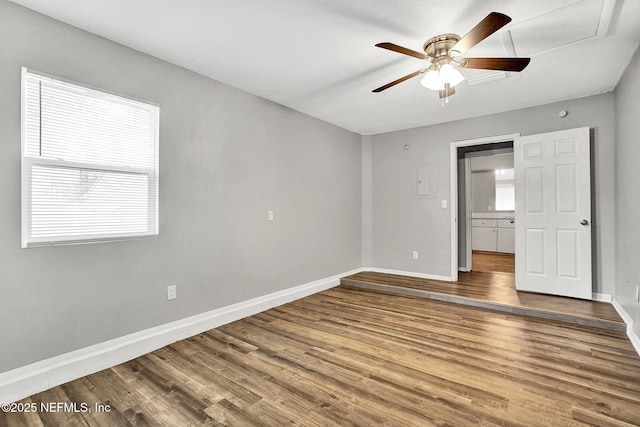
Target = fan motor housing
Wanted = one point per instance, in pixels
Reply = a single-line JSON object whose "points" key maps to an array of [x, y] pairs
{"points": [[439, 46]]}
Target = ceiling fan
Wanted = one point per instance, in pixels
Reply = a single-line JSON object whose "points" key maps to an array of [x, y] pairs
{"points": [[441, 51]]}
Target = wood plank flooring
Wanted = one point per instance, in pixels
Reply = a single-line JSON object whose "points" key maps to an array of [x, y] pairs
{"points": [[495, 262], [493, 290], [350, 356]]}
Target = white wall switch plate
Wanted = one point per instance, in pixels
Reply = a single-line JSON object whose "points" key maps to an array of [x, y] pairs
{"points": [[444, 204], [270, 215], [415, 255], [171, 292]]}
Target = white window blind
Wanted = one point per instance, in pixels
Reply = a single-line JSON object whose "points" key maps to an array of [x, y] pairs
{"points": [[89, 164]]}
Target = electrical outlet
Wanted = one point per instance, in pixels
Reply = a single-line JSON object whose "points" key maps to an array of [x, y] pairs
{"points": [[415, 255], [171, 292]]}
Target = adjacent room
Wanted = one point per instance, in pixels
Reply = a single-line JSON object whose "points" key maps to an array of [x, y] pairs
{"points": [[319, 213]]}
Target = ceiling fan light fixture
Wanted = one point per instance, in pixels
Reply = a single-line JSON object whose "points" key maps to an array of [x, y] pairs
{"points": [[432, 80], [436, 79], [450, 75]]}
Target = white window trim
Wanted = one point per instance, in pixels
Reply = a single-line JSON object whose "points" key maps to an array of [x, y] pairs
{"points": [[27, 163]]}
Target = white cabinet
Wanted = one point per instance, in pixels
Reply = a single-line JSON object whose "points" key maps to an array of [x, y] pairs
{"points": [[484, 236], [493, 235], [506, 237]]}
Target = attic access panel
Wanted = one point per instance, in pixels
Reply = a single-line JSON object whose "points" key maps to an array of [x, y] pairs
{"points": [[587, 19]]}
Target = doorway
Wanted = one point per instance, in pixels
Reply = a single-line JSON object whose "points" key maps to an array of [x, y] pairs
{"points": [[490, 208], [462, 206]]}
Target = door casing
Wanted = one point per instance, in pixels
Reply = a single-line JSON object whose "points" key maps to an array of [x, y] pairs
{"points": [[453, 157]]}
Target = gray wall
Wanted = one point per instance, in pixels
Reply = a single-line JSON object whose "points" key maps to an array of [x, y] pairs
{"points": [[367, 203], [402, 223], [483, 191], [226, 158], [627, 174]]}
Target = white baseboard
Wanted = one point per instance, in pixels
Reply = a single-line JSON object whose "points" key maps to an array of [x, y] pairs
{"points": [[601, 297], [635, 340], [42, 375], [408, 273]]}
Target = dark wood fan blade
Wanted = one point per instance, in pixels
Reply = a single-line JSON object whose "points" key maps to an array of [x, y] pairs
{"points": [[448, 91], [403, 50], [504, 64], [400, 80], [489, 25]]}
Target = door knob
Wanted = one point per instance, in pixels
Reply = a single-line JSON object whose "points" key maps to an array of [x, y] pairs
{"points": [[584, 222]]}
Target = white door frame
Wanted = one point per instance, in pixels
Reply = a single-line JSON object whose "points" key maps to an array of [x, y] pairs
{"points": [[468, 207], [453, 159]]}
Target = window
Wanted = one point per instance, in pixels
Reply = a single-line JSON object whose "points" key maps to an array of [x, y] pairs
{"points": [[505, 190], [89, 164]]}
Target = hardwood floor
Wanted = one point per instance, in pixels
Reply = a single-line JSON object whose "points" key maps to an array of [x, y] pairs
{"points": [[350, 356], [492, 285], [494, 262]]}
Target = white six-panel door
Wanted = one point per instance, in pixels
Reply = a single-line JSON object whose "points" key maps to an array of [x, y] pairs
{"points": [[553, 213]]}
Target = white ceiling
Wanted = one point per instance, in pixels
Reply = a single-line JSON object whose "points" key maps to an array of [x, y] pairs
{"points": [[318, 56]]}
